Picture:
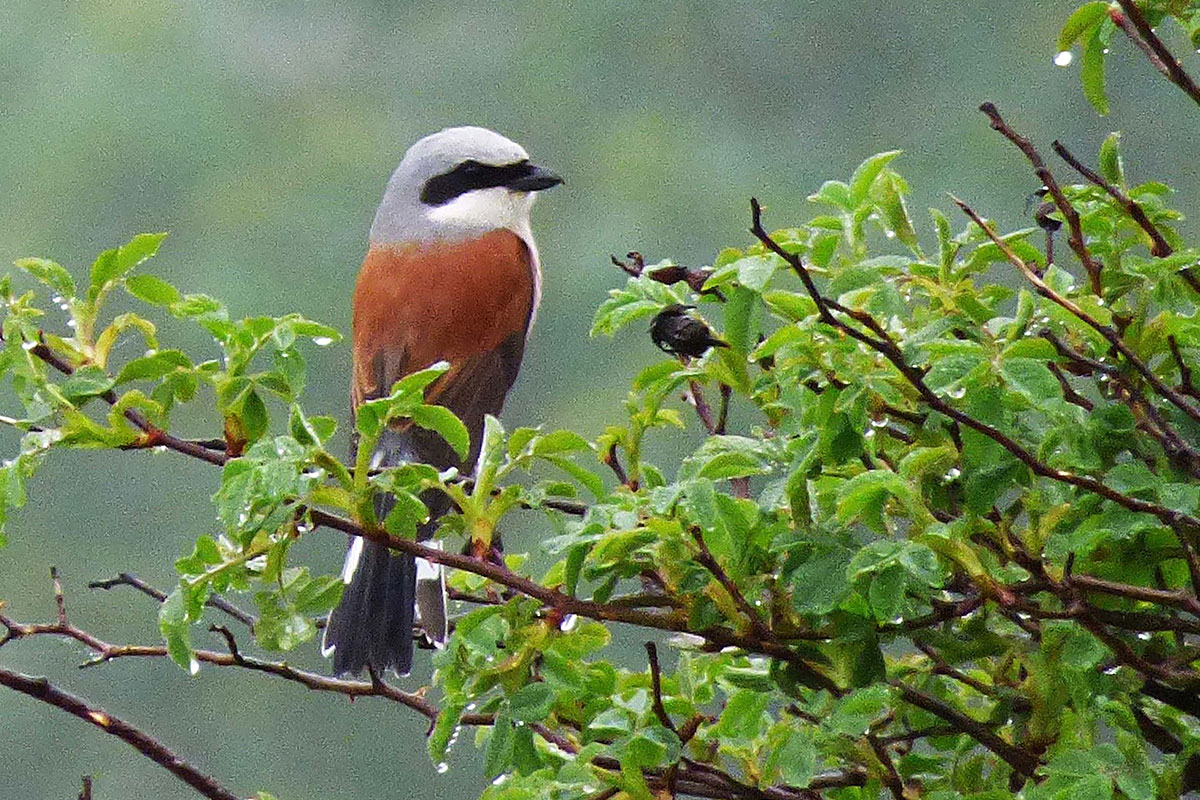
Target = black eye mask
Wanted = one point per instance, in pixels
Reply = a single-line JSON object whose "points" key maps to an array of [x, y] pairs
{"points": [[467, 176], [520, 176]]}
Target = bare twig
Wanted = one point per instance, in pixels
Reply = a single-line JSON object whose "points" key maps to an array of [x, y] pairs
{"points": [[1074, 228], [85, 793], [46, 692], [133, 581], [1159, 247], [1138, 29], [660, 710]]}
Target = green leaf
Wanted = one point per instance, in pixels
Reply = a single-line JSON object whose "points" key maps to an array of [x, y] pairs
{"points": [[1091, 73], [744, 716], [174, 620], [150, 289], [49, 273], [887, 593], [443, 422], [797, 758], [112, 265], [1112, 166], [855, 712], [86, 382], [1032, 378], [153, 367], [444, 728], [532, 703], [1082, 21], [865, 175]]}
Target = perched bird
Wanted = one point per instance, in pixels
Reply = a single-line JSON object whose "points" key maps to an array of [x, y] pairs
{"points": [[676, 331], [451, 274], [1041, 214]]}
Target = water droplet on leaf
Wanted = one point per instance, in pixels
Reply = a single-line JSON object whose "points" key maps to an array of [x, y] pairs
{"points": [[1064, 58]]}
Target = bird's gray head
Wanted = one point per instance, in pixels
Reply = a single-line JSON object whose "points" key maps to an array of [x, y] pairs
{"points": [[459, 182]]}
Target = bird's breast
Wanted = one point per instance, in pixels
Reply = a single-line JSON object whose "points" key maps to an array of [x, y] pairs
{"points": [[415, 304]]}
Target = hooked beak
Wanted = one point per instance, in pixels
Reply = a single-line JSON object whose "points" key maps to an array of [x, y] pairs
{"points": [[534, 180]]}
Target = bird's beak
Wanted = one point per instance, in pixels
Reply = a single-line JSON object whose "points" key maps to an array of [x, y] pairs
{"points": [[535, 180]]}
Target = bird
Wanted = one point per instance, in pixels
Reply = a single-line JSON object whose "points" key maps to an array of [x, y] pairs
{"points": [[676, 331], [451, 274]]}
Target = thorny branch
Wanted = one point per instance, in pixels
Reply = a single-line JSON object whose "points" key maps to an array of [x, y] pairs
{"points": [[43, 690], [1074, 227], [688, 777]]}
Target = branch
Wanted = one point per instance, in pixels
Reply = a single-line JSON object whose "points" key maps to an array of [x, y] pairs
{"points": [[710, 563], [1185, 372], [1138, 29], [1075, 229], [1160, 248], [41, 689]]}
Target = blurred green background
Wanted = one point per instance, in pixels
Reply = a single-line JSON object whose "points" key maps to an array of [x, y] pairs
{"points": [[261, 135]]}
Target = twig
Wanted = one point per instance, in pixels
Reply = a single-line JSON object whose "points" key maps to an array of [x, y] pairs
{"points": [[1163, 597], [133, 581], [41, 689], [660, 710], [1160, 247], [695, 396], [1074, 228], [709, 562], [1018, 758], [1145, 37], [1185, 372], [891, 778], [86, 792], [613, 461]]}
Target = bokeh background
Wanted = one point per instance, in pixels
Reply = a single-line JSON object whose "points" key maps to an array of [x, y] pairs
{"points": [[260, 134]]}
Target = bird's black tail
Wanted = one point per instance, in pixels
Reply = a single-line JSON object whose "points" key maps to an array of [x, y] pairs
{"points": [[373, 625]]}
